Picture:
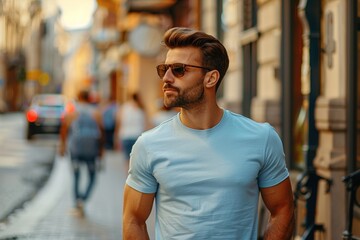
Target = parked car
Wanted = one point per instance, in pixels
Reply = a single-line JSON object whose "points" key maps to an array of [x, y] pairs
{"points": [[45, 114]]}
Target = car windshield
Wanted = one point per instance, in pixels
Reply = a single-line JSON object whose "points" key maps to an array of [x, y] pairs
{"points": [[49, 100]]}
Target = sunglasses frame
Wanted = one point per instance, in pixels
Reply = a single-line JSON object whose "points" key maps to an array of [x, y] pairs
{"points": [[176, 65]]}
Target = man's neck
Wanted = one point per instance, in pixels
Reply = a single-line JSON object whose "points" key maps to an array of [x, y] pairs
{"points": [[201, 118]]}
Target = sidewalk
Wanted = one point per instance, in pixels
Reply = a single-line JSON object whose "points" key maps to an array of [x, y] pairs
{"points": [[25, 166], [48, 215]]}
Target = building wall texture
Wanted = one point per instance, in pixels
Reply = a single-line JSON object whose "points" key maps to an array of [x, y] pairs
{"points": [[330, 110]]}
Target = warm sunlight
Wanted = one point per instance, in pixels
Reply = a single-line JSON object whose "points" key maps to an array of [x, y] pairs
{"points": [[76, 15]]}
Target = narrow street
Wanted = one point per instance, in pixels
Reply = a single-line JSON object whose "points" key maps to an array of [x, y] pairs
{"points": [[24, 165], [48, 214]]}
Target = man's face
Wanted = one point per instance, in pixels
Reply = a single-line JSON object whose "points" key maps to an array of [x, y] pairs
{"points": [[188, 90]]}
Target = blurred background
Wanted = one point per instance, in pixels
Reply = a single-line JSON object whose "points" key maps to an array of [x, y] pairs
{"points": [[293, 63]]}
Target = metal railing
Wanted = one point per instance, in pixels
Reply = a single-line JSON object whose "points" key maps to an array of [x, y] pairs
{"points": [[307, 190], [352, 182]]}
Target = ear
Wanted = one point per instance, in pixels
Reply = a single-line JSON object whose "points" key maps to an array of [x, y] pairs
{"points": [[212, 77]]}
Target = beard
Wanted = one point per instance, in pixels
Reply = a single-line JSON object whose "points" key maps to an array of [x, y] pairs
{"points": [[186, 98]]}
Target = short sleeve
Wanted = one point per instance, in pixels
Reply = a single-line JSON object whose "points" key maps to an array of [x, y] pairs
{"points": [[274, 168], [140, 173]]}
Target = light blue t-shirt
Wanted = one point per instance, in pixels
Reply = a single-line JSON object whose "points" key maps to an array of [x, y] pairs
{"points": [[207, 181]]}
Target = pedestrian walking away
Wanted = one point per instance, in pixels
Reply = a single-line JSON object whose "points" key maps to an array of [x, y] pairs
{"points": [[206, 167], [109, 121], [82, 136], [131, 122]]}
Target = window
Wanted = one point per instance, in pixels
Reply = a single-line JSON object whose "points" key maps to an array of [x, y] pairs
{"points": [[249, 14], [249, 57]]}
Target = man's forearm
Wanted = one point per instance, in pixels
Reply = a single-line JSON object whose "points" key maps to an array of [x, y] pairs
{"points": [[135, 231], [280, 228]]}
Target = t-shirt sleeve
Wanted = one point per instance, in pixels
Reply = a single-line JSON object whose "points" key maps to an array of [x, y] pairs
{"points": [[274, 168], [140, 173]]}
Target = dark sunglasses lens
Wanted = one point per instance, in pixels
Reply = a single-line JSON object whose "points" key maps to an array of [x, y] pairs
{"points": [[178, 70], [161, 70]]}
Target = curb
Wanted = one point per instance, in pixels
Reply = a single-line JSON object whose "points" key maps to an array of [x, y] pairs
{"points": [[23, 223]]}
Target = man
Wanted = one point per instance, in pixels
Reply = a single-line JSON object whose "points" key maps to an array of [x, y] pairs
{"points": [[82, 134], [206, 166]]}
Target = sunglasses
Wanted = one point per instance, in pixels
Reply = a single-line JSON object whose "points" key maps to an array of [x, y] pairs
{"points": [[177, 69]]}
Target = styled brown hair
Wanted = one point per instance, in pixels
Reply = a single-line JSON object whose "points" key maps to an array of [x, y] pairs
{"points": [[214, 54]]}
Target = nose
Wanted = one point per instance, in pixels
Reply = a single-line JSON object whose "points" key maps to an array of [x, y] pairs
{"points": [[168, 77]]}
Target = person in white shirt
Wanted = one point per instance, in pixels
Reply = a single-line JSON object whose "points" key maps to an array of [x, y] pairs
{"points": [[131, 122]]}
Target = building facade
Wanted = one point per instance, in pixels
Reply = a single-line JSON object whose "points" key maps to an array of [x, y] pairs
{"points": [[298, 61]]}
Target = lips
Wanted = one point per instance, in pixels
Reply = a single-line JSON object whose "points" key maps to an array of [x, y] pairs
{"points": [[169, 88]]}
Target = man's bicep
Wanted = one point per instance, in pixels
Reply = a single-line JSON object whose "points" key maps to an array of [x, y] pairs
{"points": [[137, 205], [279, 201], [278, 197]]}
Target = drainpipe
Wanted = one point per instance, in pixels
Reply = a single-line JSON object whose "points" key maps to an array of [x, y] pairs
{"points": [[312, 12], [286, 83], [353, 179], [352, 76]]}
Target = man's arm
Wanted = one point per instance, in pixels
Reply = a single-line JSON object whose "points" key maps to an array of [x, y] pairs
{"points": [[99, 120], [137, 208], [279, 201], [64, 134]]}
